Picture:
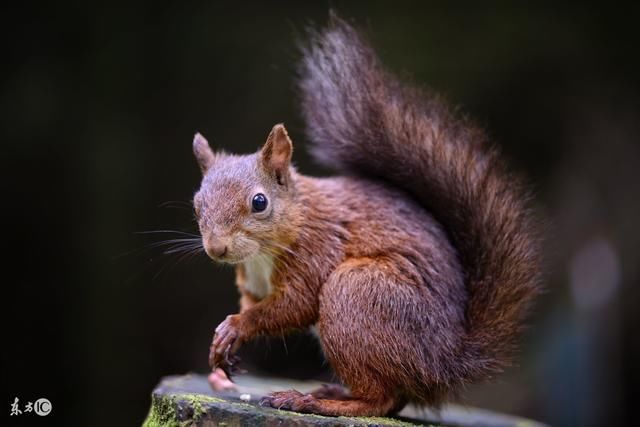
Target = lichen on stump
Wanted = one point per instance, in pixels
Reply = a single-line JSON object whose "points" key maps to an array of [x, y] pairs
{"points": [[187, 401]]}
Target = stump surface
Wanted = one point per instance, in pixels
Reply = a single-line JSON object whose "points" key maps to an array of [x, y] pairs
{"points": [[188, 400]]}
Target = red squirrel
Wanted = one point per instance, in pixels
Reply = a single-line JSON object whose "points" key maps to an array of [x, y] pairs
{"points": [[417, 262]]}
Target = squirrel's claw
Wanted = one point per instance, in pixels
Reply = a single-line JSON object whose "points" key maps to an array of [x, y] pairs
{"points": [[225, 342], [230, 365]]}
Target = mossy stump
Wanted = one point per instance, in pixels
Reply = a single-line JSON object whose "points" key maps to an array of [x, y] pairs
{"points": [[188, 401]]}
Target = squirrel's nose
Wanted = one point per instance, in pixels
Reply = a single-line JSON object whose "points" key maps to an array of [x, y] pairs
{"points": [[216, 248]]}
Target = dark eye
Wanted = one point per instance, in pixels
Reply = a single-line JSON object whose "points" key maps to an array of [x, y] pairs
{"points": [[259, 202]]}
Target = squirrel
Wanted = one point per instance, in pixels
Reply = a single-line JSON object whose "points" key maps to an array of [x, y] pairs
{"points": [[417, 262]]}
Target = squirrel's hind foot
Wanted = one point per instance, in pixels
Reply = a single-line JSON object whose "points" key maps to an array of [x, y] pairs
{"points": [[290, 400], [331, 391], [293, 400]]}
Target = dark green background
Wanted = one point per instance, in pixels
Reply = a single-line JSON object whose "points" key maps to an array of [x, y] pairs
{"points": [[99, 103]]}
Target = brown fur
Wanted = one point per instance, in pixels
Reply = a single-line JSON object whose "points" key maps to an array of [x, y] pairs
{"points": [[417, 265]]}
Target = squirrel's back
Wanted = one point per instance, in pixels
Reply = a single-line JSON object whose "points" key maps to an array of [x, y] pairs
{"points": [[361, 120]]}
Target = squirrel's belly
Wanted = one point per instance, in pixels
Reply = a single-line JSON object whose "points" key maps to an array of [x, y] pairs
{"points": [[258, 272]]}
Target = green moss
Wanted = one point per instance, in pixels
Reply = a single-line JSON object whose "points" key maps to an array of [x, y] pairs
{"points": [[385, 421], [162, 413], [199, 398], [374, 421], [198, 403], [163, 409]]}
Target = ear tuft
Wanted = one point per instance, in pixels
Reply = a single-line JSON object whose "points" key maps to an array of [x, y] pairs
{"points": [[276, 153], [203, 153]]}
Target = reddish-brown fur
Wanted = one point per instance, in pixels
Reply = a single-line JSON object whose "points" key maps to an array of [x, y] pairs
{"points": [[417, 265]]}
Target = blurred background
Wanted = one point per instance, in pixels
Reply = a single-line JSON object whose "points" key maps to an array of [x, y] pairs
{"points": [[99, 104]]}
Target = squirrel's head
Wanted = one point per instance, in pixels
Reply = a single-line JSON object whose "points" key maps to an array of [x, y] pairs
{"points": [[245, 204]]}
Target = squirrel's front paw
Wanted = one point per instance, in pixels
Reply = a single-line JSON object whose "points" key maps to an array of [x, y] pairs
{"points": [[226, 341], [219, 381]]}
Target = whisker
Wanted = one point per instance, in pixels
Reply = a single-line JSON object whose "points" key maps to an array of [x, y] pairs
{"points": [[166, 231], [182, 257], [181, 254], [181, 204], [181, 249], [176, 241], [184, 238]]}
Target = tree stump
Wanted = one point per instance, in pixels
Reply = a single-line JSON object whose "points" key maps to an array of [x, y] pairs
{"points": [[189, 401]]}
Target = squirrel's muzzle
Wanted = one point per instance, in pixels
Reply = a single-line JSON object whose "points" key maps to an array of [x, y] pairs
{"points": [[215, 248]]}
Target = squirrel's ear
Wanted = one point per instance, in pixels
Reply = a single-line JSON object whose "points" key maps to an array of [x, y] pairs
{"points": [[276, 153], [202, 151]]}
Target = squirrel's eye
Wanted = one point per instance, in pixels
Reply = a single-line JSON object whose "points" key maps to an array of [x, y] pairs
{"points": [[259, 202]]}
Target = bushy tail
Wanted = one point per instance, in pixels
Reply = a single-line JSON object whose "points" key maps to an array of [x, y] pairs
{"points": [[361, 119]]}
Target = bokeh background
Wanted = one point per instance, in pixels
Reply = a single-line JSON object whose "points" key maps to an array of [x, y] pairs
{"points": [[99, 103]]}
